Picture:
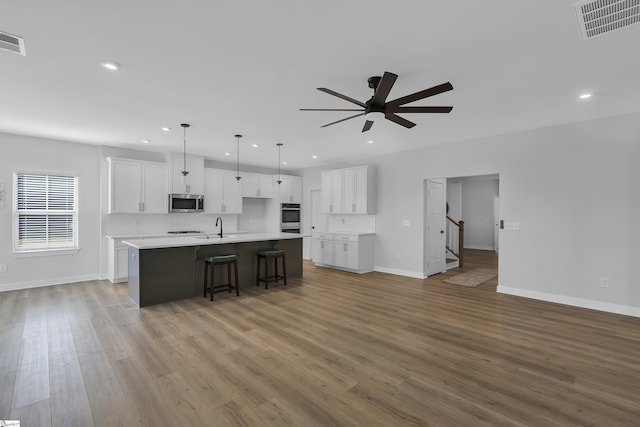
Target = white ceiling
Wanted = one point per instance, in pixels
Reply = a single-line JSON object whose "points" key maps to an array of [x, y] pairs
{"points": [[247, 67]]}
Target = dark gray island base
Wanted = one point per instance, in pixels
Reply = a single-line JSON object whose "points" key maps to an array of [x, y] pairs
{"points": [[162, 271]]}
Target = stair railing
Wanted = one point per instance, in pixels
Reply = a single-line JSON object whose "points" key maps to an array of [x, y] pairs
{"points": [[455, 239]]}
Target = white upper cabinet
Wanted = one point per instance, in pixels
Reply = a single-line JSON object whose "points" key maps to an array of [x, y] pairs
{"points": [[222, 192], [290, 189], [193, 183], [137, 186], [257, 185], [348, 191]]}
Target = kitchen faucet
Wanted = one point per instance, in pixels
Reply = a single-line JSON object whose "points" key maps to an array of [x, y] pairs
{"points": [[219, 219]]}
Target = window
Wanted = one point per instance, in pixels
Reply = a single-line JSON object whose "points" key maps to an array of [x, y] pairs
{"points": [[45, 212]]}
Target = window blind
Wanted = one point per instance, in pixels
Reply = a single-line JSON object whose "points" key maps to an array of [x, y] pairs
{"points": [[45, 212]]}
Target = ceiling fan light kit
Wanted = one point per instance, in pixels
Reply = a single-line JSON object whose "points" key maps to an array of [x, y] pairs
{"points": [[377, 107]]}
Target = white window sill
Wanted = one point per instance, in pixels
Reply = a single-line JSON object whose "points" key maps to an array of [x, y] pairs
{"points": [[45, 252]]}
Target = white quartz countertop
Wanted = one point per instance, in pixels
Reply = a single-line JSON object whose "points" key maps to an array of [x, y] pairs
{"points": [[347, 233], [207, 239]]}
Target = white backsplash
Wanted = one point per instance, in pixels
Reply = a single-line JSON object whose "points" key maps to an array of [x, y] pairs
{"points": [[360, 223], [118, 224]]}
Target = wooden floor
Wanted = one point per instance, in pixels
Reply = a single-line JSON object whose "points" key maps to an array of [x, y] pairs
{"points": [[330, 349]]}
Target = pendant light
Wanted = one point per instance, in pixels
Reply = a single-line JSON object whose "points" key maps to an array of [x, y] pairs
{"points": [[185, 172], [238, 177], [279, 181]]}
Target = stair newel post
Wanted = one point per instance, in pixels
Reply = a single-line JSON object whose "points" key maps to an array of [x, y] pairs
{"points": [[461, 242]]}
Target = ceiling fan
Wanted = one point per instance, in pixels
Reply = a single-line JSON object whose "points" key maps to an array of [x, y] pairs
{"points": [[377, 108]]}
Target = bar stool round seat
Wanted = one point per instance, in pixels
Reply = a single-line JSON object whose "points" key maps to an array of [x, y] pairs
{"points": [[209, 265], [267, 255]]}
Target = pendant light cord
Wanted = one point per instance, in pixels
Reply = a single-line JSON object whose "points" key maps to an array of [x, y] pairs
{"points": [[185, 172], [279, 177], [238, 177]]}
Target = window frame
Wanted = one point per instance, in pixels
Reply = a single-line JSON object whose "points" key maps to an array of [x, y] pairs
{"points": [[48, 247]]}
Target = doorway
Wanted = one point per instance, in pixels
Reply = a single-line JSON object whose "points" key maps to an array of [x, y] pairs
{"points": [[472, 199]]}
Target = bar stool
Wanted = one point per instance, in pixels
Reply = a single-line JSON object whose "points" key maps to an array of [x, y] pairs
{"points": [[209, 264], [268, 255]]}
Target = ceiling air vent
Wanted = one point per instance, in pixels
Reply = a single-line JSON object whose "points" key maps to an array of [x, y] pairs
{"points": [[12, 43], [597, 17]]}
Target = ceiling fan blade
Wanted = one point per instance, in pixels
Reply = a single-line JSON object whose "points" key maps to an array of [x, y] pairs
{"points": [[384, 87], [399, 120], [342, 120], [341, 96], [367, 125], [421, 95], [419, 109], [331, 109]]}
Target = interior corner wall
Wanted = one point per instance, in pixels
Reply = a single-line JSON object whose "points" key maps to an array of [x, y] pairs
{"points": [[23, 153], [573, 190]]}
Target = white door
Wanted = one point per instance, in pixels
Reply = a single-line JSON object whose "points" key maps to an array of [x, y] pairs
{"points": [[496, 221], [435, 244], [318, 219]]}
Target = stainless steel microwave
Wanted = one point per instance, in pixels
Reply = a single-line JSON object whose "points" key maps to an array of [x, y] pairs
{"points": [[186, 202]]}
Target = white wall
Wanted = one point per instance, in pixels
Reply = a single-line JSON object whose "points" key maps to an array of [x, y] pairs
{"points": [[573, 189], [22, 153]]}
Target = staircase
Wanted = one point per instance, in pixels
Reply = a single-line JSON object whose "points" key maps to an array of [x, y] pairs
{"points": [[455, 239]]}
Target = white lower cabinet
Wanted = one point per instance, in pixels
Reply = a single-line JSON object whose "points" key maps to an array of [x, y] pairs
{"points": [[117, 261], [350, 252]]}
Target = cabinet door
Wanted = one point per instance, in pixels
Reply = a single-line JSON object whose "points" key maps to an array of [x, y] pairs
{"points": [[154, 188], [232, 194], [355, 190], [360, 201], [346, 255], [284, 188], [349, 190], [332, 192], [124, 192], [121, 263], [326, 190], [213, 191], [250, 183], [295, 192], [265, 186], [193, 183], [323, 251]]}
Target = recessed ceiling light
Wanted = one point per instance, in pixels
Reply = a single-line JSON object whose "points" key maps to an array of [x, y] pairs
{"points": [[165, 128], [110, 65], [227, 154], [585, 96], [370, 141], [284, 163], [146, 141], [254, 145], [314, 157]]}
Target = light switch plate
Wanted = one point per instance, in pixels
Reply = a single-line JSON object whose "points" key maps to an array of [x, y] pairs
{"points": [[406, 223]]}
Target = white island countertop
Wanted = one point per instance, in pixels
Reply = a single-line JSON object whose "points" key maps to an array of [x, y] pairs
{"points": [[208, 239]]}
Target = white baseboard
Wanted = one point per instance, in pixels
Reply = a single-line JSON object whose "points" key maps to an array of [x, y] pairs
{"points": [[47, 282], [397, 272], [576, 302], [478, 247]]}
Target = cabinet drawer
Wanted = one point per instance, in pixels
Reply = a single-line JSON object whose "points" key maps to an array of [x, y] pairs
{"points": [[345, 238], [323, 236]]}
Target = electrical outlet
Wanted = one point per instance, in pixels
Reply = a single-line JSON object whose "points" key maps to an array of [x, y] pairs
{"points": [[3, 268], [604, 282]]}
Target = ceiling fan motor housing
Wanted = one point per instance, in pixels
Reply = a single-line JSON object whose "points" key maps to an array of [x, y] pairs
{"points": [[374, 82]]}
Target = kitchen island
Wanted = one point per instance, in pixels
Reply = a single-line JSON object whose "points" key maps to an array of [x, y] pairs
{"points": [[164, 269]]}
